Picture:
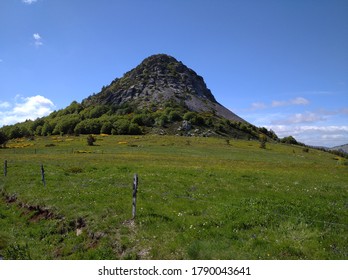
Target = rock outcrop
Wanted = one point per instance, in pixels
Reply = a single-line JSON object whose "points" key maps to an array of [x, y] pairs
{"points": [[158, 79]]}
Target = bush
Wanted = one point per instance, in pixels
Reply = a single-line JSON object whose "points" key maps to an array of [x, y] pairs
{"points": [[289, 140], [97, 111], [106, 128], [66, 124], [162, 120], [263, 140], [143, 120], [138, 119], [88, 126], [90, 140], [175, 116], [121, 127], [134, 129], [189, 116], [47, 129], [3, 139], [194, 118]]}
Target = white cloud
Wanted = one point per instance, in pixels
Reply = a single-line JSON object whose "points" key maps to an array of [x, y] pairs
{"points": [[328, 136], [29, 2], [37, 39], [38, 104], [313, 128], [295, 101], [258, 106], [278, 103], [299, 101], [5, 105], [321, 127], [307, 117], [25, 108], [36, 36]]}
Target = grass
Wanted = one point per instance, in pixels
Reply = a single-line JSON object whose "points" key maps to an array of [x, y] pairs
{"points": [[198, 198]]}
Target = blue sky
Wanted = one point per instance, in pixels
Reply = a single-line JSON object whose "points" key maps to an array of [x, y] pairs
{"points": [[278, 64]]}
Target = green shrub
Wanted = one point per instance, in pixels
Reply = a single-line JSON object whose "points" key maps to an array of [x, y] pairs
{"points": [[143, 120], [121, 127], [263, 140], [162, 120], [88, 126], [3, 139], [106, 128], [134, 129], [189, 116], [175, 116], [289, 140], [90, 140]]}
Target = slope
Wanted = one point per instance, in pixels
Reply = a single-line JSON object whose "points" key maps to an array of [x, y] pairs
{"points": [[160, 96]]}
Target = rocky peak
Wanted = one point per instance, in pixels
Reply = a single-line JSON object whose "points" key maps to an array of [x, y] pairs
{"points": [[157, 79], [164, 72]]}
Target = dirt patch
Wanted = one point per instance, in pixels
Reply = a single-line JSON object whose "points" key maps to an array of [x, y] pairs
{"points": [[37, 213], [11, 198]]}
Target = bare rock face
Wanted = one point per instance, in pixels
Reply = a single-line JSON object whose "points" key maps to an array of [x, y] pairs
{"points": [[158, 79]]}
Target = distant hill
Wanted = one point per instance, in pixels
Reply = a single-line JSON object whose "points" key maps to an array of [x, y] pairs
{"points": [[159, 96], [342, 148]]}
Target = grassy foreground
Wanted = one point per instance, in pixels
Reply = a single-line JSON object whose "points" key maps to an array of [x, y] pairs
{"points": [[198, 198]]}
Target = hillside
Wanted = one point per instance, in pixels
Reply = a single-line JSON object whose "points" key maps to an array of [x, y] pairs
{"points": [[198, 198], [160, 96], [342, 148], [160, 79]]}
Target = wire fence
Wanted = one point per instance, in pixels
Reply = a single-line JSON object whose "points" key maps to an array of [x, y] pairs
{"points": [[232, 203]]}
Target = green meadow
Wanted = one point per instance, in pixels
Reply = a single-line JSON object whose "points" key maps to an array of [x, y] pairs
{"points": [[198, 198]]}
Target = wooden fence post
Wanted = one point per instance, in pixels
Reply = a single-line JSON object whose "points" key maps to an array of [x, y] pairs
{"points": [[135, 189], [5, 168], [43, 175]]}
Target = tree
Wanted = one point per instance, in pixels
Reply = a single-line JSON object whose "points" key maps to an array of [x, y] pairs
{"points": [[106, 128], [289, 140], [38, 130], [121, 127], [134, 129], [74, 108], [88, 126], [47, 129], [97, 111], [263, 140], [175, 116], [66, 124], [38, 122], [90, 140], [3, 139], [162, 120], [18, 131]]}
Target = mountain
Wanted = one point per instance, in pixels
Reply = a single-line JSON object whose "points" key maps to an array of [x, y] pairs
{"points": [[342, 148], [159, 96], [158, 79]]}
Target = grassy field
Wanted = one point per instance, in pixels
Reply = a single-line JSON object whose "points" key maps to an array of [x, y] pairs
{"points": [[198, 198]]}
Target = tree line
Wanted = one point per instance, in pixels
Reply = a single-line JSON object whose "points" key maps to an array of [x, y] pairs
{"points": [[124, 119]]}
